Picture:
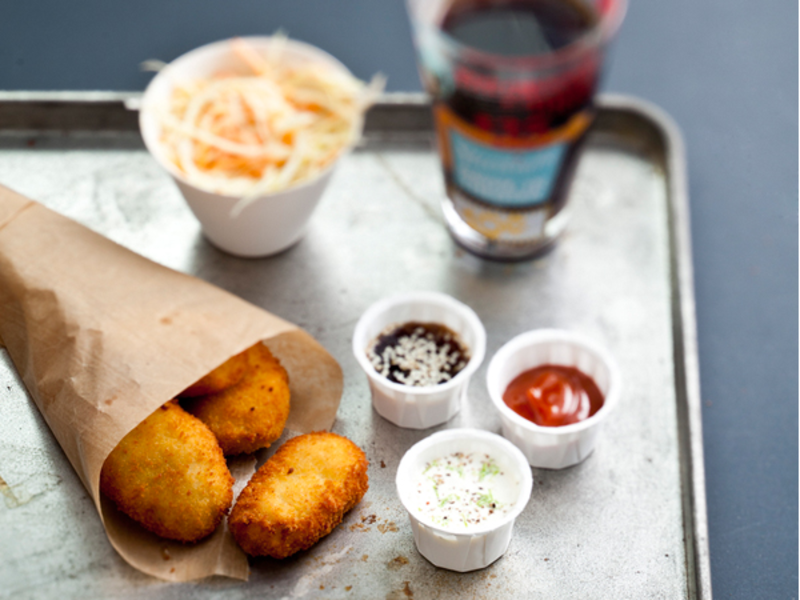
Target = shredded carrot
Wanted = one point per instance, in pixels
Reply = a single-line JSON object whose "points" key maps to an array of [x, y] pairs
{"points": [[278, 125]]}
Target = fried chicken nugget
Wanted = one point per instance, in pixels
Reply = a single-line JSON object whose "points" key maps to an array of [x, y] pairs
{"points": [[224, 376], [170, 475], [299, 495], [251, 414]]}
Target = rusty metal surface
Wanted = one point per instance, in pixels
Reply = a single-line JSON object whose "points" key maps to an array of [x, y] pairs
{"points": [[629, 522]]}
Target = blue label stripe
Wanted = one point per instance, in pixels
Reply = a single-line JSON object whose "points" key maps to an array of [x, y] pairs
{"points": [[517, 178]]}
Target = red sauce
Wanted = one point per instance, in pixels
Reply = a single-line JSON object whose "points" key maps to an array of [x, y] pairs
{"points": [[552, 395]]}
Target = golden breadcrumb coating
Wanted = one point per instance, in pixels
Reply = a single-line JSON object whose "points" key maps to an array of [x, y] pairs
{"points": [[251, 414], [170, 475], [299, 495], [224, 376]]}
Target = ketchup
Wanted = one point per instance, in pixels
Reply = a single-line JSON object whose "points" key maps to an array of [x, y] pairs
{"points": [[553, 395]]}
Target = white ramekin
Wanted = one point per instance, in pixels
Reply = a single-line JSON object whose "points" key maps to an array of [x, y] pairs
{"points": [[269, 224], [410, 406], [553, 447], [482, 545]]}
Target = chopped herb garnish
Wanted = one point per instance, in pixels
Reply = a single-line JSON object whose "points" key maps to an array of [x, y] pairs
{"points": [[457, 469], [435, 487], [430, 465], [488, 468], [450, 498], [486, 500]]}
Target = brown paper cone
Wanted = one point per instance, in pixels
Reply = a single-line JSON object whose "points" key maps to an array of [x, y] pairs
{"points": [[102, 337]]}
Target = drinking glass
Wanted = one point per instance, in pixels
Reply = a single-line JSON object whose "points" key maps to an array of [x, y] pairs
{"points": [[512, 84]]}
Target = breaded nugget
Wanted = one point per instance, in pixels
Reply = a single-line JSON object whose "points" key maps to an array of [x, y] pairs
{"points": [[299, 495], [169, 474], [251, 414], [224, 376]]}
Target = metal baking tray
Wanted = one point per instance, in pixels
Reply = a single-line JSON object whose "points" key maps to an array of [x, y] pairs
{"points": [[629, 522]]}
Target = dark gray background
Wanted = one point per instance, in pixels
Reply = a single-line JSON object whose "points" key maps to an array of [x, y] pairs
{"points": [[726, 70]]}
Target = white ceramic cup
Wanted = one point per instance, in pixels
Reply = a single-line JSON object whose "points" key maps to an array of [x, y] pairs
{"points": [[272, 222], [410, 406], [484, 543], [553, 447]]}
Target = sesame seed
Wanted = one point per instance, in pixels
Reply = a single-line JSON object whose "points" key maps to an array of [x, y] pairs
{"points": [[418, 354]]}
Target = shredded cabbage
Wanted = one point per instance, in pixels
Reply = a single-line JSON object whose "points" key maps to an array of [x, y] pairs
{"points": [[248, 135]]}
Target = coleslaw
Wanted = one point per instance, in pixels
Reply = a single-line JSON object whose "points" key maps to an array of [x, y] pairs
{"points": [[269, 125]]}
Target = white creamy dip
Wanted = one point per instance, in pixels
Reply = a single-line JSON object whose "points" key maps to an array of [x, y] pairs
{"points": [[463, 490]]}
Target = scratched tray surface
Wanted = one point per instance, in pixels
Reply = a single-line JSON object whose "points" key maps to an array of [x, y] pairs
{"points": [[612, 527]]}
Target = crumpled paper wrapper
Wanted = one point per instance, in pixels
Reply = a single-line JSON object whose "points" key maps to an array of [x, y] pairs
{"points": [[102, 337]]}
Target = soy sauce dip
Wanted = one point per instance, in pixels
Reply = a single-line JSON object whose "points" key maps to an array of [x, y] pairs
{"points": [[418, 354], [463, 490]]}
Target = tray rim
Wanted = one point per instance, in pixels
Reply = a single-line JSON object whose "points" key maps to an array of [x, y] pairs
{"points": [[684, 335], [416, 104]]}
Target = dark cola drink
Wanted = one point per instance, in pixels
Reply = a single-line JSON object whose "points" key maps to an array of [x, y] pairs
{"points": [[513, 83], [534, 28]]}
